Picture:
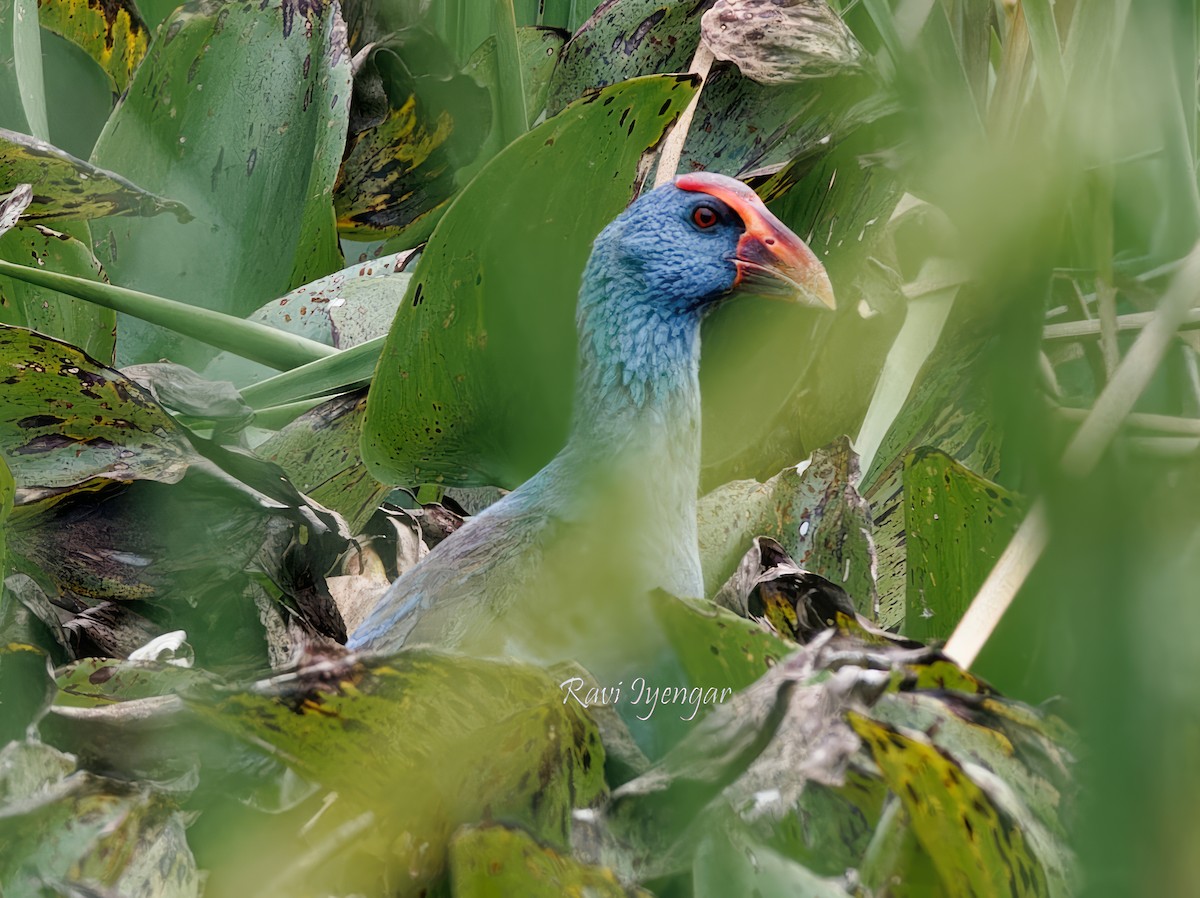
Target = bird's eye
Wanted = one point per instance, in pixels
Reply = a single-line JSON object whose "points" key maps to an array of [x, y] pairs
{"points": [[704, 217]]}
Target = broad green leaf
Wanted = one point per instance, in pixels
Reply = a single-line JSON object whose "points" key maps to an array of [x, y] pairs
{"points": [[473, 386], [951, 406], [100, 835], [320, 453], [819, 382], [732, 864], [1007, 738], [239, 112], [814, 512], [975, 844], [69, 189], [67, 419], [113, 34], [97, 682], [459, 739], [956, 524], [82, 324], [22, 93], [540, 49], [492, 861], [394, 173], [714, 647], [625, 39], [340, 310]]}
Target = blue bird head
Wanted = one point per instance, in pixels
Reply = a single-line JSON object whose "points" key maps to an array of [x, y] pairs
{"points": [[688, 244]]}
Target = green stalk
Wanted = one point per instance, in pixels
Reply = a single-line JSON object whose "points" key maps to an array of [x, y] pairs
{"points": [[514, 119], [348, 369], [248, 339]]}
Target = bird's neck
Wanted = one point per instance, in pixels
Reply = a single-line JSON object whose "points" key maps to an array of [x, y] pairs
{"points": [[636, 428], [638, 361]]}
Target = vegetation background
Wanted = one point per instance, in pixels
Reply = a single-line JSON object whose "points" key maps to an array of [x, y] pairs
{"points": [[1004, 193]]}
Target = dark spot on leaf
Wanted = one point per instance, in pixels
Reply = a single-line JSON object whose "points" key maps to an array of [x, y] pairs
{"points": [[101, 675], [45, 442], [250, 162], [40, 421]]}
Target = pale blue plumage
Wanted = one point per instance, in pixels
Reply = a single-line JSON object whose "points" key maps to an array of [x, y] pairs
{"points": [[558, 568]]}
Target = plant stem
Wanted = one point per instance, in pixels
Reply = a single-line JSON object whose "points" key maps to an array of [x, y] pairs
{"points": [[672, 148], [248, 339]]}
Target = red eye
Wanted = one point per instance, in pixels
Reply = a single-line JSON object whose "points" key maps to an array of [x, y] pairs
{"points": [[705, 216]]}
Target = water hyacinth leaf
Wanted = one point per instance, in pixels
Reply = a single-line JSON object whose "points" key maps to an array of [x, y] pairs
{"points": [[343, 309], [69, 189], [778, 41], [507, 746], [985, 731], [473, 385], [22, 92], [622, 40], [975, 844], [951, 407], [68, 419], [87, 833], [82, 324], [416, 120], [957, 524], [256, 167], [737, 865], [320, 453], [492, 861], [394, 173], [539, 50], [113, 34], [7, 491], [715, 648], [815, 513]]}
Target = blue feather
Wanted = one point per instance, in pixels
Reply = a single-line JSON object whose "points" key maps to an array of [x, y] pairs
{"points": [[559, 568]]}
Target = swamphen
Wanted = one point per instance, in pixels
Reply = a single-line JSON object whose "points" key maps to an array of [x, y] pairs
{"points": [[561, 567]]}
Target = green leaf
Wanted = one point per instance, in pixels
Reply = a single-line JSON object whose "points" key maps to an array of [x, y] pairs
{"points": [[395, 173], [736, 865], [622, 40], [956, 524], [22, 93], [492, 861], [69, 189], [7, 490], [320, 453], [86, 832], [347, 370], [815, 513], [113, 33], [255, 173], [976, 845], [714, 647], [459, 738], [43, 309], [473, 383], [67, 419]]}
